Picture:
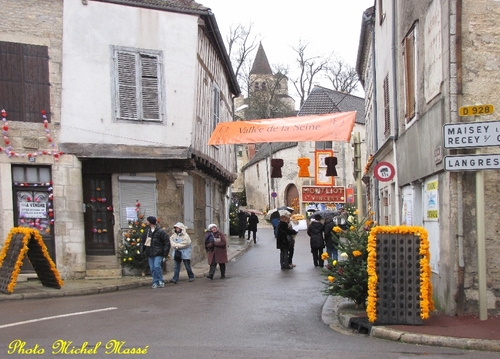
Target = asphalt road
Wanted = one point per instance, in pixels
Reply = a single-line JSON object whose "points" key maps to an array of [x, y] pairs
{"points": [[258, 311]]}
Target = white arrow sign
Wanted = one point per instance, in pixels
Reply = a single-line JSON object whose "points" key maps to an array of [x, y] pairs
{"points": [[471, 134]]}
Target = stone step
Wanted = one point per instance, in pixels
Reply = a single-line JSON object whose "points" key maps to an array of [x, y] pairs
{"points": [[102, 259], [110, 273], [102, 262]]}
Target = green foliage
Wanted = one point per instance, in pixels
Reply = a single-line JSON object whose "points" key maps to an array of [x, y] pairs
{"points": [[129, 251], [241, 197], [348, 277], [233, 219]]}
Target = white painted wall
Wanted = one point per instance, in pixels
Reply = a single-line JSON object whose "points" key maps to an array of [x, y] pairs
{"points": [[89, 31], [384, 66]]}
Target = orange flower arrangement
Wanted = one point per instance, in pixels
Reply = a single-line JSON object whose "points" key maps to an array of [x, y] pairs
{"points": [[28, 233], [426, 301]]}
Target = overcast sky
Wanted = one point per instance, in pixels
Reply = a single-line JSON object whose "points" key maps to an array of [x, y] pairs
{"points": [[327, 25]]}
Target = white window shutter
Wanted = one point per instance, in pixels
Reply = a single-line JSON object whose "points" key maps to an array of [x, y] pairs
{"points": [[149, 87], [127, 86]]}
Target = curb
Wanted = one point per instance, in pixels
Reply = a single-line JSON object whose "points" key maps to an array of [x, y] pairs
{"points": [[334, 306], [435, 340]]}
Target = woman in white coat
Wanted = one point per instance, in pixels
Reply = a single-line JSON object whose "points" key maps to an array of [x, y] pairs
{"points": [[180, 241]]}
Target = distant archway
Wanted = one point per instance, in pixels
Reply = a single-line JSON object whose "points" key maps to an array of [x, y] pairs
{"points": [[291, 195]]}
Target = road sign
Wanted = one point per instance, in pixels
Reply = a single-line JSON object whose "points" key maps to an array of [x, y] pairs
{"points": [[472, 162], [471, 134], [384, 171], [476, 110]]}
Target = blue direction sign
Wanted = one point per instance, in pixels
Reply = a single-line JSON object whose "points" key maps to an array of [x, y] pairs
{"points": [[471, 134]]}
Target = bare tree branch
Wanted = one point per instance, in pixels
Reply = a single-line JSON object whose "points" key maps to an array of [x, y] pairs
{"points": [[241, 43], [342, 76], [309, 68]]}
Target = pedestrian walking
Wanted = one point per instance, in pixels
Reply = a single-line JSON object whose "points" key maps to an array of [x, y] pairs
{"points": [[216, 247], [242, 223], [331, 239], [252, 226], [155, 243], [317, 240], [283, 243], [181, 242]]}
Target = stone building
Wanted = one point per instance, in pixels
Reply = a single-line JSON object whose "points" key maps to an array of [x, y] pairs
{"points": [[419, 63], [132, 92], [288, 189], [269, 98]]}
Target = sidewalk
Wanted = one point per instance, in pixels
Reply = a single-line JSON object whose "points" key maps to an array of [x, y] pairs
{"points": [[466, 332], [33, 289]]}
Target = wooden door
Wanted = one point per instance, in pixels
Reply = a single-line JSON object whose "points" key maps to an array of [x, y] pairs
{"points": [[99, 215]]}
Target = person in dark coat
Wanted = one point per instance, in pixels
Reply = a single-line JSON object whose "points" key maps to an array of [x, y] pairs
{"points": [[275, 220], [155, 243], [291, 246], [282, 242], [317, 240], [252, 226], [242, 223], [331, 239], [216, 246]]}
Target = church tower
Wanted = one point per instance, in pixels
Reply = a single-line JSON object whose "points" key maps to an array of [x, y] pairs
{"points": [[267, 92]]}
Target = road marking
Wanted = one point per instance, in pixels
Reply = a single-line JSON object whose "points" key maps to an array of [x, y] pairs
{"points": [[56, 316]]}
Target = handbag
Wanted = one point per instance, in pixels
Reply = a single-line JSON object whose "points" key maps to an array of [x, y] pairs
{"points": [[178, 256]]}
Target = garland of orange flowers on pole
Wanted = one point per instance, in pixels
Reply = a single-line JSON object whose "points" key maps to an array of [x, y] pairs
{"points": [[426, 301], [27, 234], [11, 153]]}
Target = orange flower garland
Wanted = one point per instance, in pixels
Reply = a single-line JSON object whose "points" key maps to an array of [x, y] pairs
{"points": [[27, 234], [426, 301]]}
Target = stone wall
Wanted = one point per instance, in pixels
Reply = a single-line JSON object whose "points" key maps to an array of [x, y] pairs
{"points": [[481, 80]]}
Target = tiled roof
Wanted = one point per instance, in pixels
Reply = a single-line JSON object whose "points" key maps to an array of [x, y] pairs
{"points": [[322, 100], [264, 149], [261, 63], [179, 5]]}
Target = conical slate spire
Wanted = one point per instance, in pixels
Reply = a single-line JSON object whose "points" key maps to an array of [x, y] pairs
{"points": [[261, 64]]}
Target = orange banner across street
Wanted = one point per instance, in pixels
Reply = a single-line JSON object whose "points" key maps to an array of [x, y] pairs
{"points": [[328, 127]]}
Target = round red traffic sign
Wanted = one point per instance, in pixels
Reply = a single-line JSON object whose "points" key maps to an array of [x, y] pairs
{"points": [[384, 171]]}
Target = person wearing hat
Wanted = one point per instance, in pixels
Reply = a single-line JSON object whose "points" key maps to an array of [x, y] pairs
{"points": [[181, 242], [155, 243], [215, 244]]}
